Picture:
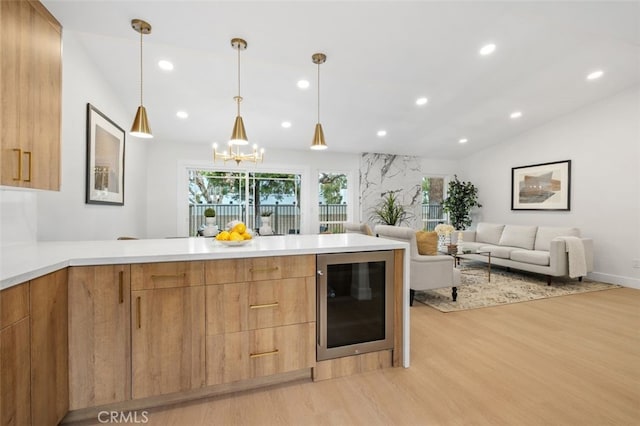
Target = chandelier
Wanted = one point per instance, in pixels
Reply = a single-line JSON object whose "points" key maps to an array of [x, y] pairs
{"points": [[238, 135]]}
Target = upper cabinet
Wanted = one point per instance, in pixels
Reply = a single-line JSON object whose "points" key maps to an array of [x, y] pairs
{"points": [[31, 75]]}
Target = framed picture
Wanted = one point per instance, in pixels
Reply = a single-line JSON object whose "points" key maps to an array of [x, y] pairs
{"points": [[544, 186], [105, 159]]}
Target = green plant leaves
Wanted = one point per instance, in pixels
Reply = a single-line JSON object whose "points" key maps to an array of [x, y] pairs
{"points": [[461, 198]]}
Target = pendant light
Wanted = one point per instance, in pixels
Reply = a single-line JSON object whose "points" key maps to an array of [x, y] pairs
{"points": [[140, 126], [318, 137], [238, 135]]}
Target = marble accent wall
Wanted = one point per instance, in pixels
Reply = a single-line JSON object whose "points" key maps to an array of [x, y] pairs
{"points": [[384, 173]]}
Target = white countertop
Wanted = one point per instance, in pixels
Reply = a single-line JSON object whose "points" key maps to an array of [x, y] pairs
{"points": [[20, 263]]}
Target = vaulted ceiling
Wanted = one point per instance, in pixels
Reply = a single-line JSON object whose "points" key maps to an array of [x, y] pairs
{"points": [[381, 57]]}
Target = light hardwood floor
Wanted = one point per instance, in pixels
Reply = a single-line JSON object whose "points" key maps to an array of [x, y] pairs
{"points": [[572, 360]]}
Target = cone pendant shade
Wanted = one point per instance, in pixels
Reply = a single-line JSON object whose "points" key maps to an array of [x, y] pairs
{"points": [[318, 138], [140, 127], [238, 135]]}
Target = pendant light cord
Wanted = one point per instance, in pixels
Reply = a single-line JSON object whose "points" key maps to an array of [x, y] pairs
{"points": [[141, 69], [318, 93], [239, 98]]}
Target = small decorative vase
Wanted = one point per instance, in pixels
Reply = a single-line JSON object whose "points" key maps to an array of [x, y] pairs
{"points": [[442, 246], [211, 229], [265, 225]]}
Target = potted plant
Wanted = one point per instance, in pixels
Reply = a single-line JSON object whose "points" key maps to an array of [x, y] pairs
{"points": [[210, 228], [389, 211], [265, 223], [461, 198]]}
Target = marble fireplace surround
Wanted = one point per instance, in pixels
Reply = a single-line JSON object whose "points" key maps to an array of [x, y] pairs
{"points": [[381, 174]]}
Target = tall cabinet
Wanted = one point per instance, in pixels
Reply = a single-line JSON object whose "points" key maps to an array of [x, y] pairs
{"points": [[30, 95]]}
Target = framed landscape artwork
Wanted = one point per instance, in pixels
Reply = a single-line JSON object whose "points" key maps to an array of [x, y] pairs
{"points": [[105, 159], [544, 186]]}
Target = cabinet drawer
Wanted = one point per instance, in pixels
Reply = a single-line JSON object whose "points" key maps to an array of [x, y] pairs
{"points": [[260, 304], [273, 268], [14, 304], [149, 276], [256, 353], [225, 271]]}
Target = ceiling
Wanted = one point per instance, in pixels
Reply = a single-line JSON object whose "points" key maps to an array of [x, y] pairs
{"points": [[381, 56]]}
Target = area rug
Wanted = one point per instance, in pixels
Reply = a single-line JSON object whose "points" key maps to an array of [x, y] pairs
{"points": [[505, 287]]}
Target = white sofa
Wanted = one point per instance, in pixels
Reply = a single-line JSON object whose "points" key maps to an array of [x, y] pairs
{"points": [[538, 249]]}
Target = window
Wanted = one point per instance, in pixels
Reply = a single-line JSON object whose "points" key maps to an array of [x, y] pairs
{"points": [[332, 202], [432, 196], [244, 196]]}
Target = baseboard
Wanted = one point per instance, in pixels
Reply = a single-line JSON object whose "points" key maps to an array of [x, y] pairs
{"points": [[615, 279]]}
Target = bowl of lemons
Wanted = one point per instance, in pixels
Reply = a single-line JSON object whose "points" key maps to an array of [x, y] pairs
{"points": [[237, 235]]}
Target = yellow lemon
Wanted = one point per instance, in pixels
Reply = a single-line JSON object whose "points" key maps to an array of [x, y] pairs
{"points": [[246, 236], [235, 236], [240, 228], [223, 236]]}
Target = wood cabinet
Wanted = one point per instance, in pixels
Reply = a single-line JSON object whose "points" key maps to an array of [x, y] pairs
{"points": [[15, 356], [99, 335], [260, 317], [30, 93], [49, 348], [168, 328]]}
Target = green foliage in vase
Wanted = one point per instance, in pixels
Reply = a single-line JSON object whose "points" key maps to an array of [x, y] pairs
{"points": [[461, 198], [389, 211], [209, 212]]}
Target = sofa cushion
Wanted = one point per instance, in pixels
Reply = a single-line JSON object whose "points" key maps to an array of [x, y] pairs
{"points": [[427, 243], [498, 251], [547, 233], [534, 257], [518, 236], [489, 233]]}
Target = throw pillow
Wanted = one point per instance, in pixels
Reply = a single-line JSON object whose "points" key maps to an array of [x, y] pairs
{"points": [[427, 243]]}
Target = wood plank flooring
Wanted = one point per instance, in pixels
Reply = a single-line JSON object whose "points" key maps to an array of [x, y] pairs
{"points": [[572, 360]]}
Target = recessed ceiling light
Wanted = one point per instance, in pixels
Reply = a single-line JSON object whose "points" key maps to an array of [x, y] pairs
{"points": [[422, 101], [382, 133], [182, 114], [595, 75], [286, 124], [303, 84], [463, 140], [165, 65], [487, 49], [516, 114]]}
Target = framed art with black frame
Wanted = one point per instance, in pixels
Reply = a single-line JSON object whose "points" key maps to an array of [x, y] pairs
{"points": [[105, 159], [545, 186]]}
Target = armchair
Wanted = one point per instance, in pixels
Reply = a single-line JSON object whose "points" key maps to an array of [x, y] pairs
{"points": [[426, 272], [357, 228]]}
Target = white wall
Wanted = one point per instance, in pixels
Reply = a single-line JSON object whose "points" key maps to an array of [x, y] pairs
{"points": [[64, 215], [603, 143]]}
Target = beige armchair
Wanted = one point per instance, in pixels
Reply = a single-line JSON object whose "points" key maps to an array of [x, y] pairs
{"points": [[357, 228], [426, 272]]}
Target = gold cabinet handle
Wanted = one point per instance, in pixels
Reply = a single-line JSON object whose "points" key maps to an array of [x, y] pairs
{"points": [[138, 314], [166, 277], [269, 269], [28, 179], [19, 151], [264, 305], [121, 286], [261, 354]]}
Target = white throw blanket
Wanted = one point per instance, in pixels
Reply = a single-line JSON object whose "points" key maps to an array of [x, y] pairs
{"points": [[577, 258]]}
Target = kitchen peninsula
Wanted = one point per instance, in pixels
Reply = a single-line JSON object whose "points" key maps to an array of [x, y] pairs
{"points": [[150, 322]]}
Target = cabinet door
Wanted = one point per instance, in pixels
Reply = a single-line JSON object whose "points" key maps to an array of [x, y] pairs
{"points": [[99, 335], [31, 95], [168, 349], [15, 377], [49, 349]]}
